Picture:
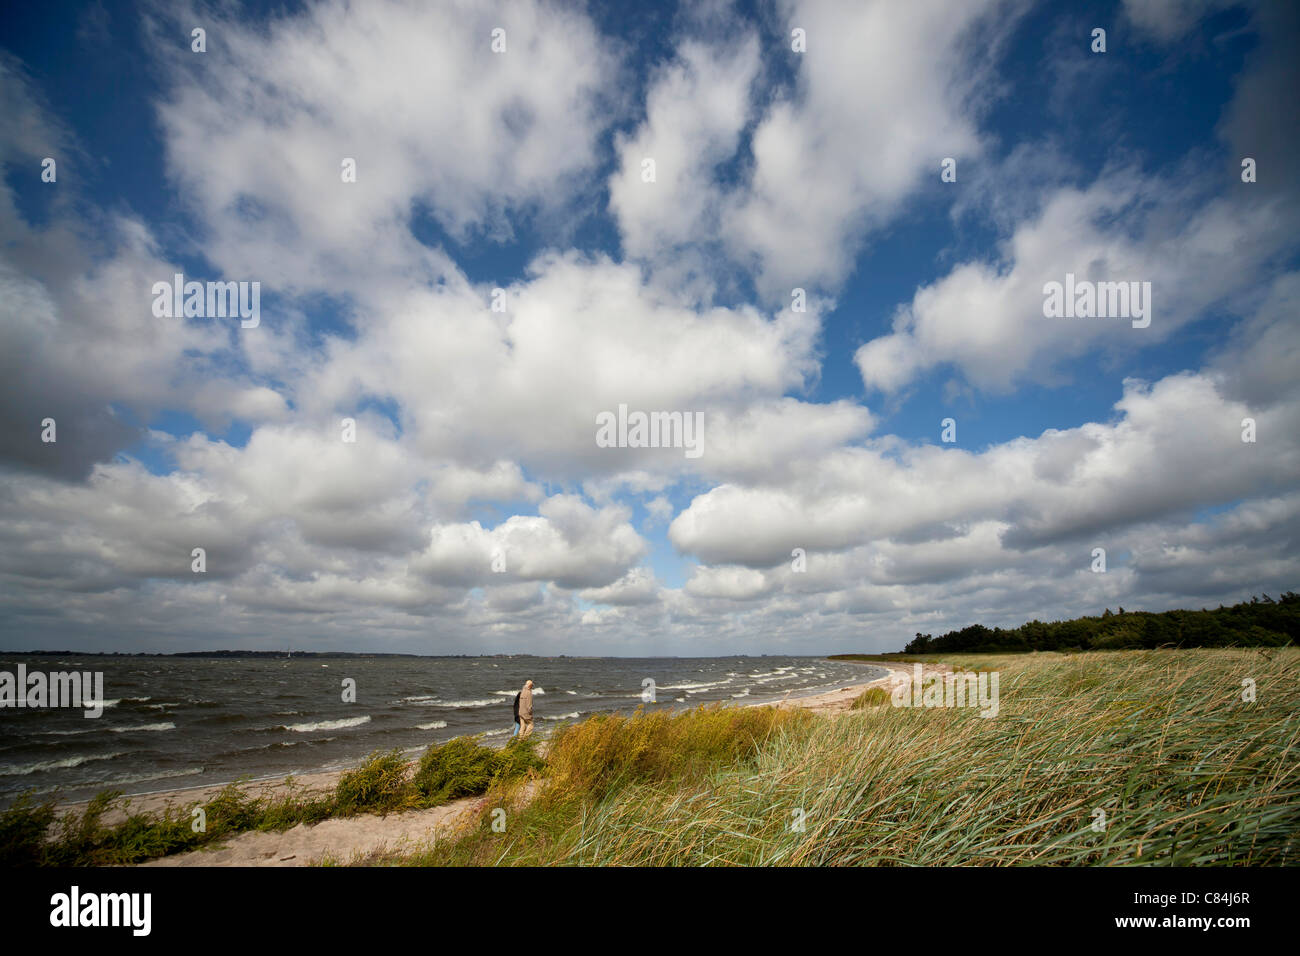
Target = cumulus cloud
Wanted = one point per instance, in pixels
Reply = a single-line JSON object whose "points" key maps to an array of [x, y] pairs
{"points": [[474, 510], [79, 343], [638, 586], [869, 119], [987, 318], [257, 130], [1176, 447], [567, 542]]}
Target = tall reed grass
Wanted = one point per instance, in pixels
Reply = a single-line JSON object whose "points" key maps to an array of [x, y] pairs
{"points": [[1113, 758]]}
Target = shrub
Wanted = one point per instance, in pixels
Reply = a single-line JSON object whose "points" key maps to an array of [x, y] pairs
{"points": [[463, 767], [22, 832], [380, 785]]}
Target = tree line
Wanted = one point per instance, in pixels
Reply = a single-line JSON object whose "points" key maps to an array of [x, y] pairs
{"points": [[1261, 622]]}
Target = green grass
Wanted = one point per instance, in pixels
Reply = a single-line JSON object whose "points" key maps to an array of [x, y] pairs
{"points": [[609, 751], [32, 834], [461, 768], [606, 755], [871, 697], [1185, 771], [893, 658]]}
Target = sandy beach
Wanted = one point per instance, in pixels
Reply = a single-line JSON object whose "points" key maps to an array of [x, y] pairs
{"points": [[354, 839]]}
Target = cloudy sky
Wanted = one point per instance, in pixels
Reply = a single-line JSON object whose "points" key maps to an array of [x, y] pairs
{"points": [[736, 211]]}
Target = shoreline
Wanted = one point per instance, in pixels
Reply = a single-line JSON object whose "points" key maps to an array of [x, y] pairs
{"points": [[351, 838], [326, 777]]}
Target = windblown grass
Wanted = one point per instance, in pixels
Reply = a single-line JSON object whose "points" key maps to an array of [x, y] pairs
{"points": [[1185, 771], [1115, 758], [871, 697], [609, 751], [609, 754], [33, 834], [461, 768]]}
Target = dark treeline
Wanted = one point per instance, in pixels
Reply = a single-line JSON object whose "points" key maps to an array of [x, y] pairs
{"points": [[1261, 623]]}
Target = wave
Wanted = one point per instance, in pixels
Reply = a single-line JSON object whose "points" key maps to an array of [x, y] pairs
{"points": [[127, 730], [573, 716], [436, 725], [418, 699], [743, 693], [227, 718], [64, 764], [123, 781], [702, 686], [166, 774], [456, 704], [329, 724], [511, 693]]}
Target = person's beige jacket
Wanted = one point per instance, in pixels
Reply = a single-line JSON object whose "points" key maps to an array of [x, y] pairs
{"points": [[526, 704]]}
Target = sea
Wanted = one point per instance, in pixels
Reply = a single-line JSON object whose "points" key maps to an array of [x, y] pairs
{"points": [[177, 722]]}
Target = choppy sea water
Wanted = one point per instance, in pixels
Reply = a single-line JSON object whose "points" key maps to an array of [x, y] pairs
{"points": [[178, 722]]}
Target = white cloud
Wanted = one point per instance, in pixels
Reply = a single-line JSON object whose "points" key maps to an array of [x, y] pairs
{"points": [[987, 318], [638, 586], [257, 129], [1175, 448], [695, 111], [469, 420], [567, 542], [883, 95]]}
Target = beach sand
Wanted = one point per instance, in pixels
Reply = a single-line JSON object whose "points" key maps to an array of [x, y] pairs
{"points": [[839, 701], [358, 838]]}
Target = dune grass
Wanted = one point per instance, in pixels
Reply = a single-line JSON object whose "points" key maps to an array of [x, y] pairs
{"points": [[606, 755], [33, 834], [871, 697], [1113, 758]]}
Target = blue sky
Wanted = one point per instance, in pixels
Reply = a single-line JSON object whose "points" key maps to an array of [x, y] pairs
{"points": [[520, 170]]}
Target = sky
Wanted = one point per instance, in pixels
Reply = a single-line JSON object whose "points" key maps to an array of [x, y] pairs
{"points": [[825, 232]]}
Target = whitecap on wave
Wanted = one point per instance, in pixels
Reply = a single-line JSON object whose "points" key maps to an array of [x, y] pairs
{"points": [[329, 724]]}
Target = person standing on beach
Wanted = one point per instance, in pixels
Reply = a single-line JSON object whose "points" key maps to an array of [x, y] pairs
{"points": [[515, 733], [526, 709]]}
